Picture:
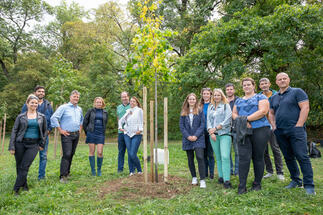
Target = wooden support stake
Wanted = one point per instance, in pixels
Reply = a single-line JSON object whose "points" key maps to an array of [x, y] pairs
{"points": [[4, 130], [145, 134], [55, 142], [151, 138], [165, 140], [1, 137]]}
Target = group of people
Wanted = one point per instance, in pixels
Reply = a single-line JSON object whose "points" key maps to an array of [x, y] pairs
{"points": [[218, 121], [37, 118], [209, 126]]}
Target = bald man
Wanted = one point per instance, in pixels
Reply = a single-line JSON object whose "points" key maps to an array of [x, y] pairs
{"points": [[288, 113]]}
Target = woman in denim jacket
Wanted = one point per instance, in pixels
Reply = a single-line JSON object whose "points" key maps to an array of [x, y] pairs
{"points": [[219, 126]]}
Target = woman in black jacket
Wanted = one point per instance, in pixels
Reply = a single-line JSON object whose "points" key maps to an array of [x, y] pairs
{"points": [[27, 137], [94, 125]]}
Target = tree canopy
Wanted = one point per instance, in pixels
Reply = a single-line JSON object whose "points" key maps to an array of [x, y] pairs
{"points": [[192, 44]]}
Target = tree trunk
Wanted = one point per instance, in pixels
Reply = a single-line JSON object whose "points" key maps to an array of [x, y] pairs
{"points": [[4, 69]]}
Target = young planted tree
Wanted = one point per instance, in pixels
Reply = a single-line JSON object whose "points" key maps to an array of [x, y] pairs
{"points": [[151, 55]]}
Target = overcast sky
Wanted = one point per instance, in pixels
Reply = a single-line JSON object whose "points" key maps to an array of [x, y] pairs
{"points": [[87, 4]]}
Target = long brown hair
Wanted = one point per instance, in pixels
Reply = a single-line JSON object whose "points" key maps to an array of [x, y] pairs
{"points": [[186, 107], [211, 97], [137, 100]]}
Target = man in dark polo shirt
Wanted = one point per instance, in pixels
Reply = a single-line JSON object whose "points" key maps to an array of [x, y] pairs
{"points": [[288, 113]]}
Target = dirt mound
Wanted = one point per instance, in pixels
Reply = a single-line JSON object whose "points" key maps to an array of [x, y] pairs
{"points": [[133, 187]]}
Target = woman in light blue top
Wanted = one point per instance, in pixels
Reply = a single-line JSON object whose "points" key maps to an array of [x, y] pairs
{"points": [[219, 127], [252, 107]]}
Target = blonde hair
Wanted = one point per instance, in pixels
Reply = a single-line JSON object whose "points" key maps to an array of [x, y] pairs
{"points": [[224, 99], [103, 103], [137, 100], [30, 97], [186, 107]]}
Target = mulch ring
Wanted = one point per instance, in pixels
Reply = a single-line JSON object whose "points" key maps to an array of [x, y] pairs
{"points": [[133, 187]]}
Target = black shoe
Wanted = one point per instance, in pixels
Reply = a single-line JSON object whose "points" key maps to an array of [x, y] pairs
{"points": [[242, 190], [211, 176], [220, 181], [256, 187], [227, 185]]}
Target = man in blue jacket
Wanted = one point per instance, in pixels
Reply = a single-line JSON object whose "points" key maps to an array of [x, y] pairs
{"points": [[45, 108], [264, 85]]}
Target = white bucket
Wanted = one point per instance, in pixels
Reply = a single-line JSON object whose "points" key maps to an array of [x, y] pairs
{"points": [[160, 156]]}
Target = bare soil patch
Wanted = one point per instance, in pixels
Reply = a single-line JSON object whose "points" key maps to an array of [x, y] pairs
{"points": [[133, 187]]}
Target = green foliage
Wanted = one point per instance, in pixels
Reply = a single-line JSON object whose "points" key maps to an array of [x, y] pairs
{"points": [[63, 81], [215, 42], [151, 49], [15, 15], [288, 40], [3, 109]]}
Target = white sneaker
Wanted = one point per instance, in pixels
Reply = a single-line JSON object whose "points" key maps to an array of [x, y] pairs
{"points": [[131, 174], [139, 173], [202, 184], [268, 175], [194, 181], [281, 177]]}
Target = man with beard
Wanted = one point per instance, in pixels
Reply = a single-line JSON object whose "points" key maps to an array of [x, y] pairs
{"points": [[45, 108]]}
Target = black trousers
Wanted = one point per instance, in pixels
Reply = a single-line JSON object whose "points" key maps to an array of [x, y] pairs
{"points": [[253, 148], [69, 144], [277, 156], [25, 153], [208, 155], [199, 153]]}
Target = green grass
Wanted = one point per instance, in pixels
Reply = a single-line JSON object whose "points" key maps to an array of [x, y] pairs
{"points": [[81, 194]]}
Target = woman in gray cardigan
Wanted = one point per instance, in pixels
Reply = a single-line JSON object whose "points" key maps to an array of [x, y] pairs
{"points": [[192, 125], [219, 126]]}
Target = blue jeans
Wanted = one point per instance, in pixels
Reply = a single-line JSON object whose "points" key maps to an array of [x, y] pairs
{"points": [[236, 156], [43, 161], [293, 144], [133, 144], [122, 150]]}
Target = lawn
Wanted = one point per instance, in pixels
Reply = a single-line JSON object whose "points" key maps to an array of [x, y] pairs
{"points": [[85, 194]]}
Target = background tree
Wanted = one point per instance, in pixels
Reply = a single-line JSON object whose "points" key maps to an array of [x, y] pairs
{"points": [[15, 16]]}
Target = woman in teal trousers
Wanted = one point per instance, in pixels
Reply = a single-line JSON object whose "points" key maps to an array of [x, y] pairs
{"points": [[219, 126]]}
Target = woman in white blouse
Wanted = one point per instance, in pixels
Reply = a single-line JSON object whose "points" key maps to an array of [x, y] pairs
{"points": [[132, 123]]}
